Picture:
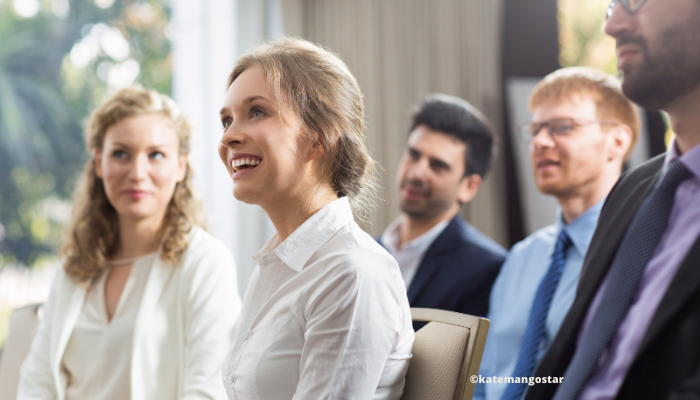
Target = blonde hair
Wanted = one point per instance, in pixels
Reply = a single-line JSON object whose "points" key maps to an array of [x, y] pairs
{"points": [[325, 96], [611, 103], [93, 234]]}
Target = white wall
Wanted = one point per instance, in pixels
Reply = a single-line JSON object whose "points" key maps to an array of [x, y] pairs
{"points": [[208, 36]]}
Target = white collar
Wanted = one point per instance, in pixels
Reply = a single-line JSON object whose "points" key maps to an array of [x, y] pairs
{"points": [[303, 243], [391, 237]]}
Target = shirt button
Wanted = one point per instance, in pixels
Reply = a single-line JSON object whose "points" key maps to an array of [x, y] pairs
{"points": [[246, 336]]}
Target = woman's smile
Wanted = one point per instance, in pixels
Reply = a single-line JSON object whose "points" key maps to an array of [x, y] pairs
{"points": [[243, 164]]}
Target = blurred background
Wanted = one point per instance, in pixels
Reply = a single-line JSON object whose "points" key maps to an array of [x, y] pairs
{"points": [[60, 58]]}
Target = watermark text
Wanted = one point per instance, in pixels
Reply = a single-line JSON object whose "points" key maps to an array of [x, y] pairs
{"points": [[530, 380]]}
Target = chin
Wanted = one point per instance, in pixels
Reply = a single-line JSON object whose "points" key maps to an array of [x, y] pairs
{"points": [[137, 211], [550, 188], [245, 196]]}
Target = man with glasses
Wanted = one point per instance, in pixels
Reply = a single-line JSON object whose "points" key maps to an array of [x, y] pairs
{"points": [[582, 131], [633, 330]]}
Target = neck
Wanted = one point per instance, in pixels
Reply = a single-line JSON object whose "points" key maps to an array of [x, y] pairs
{"points": [[138, 237], [289, 213], [577, 203], [411, 227], [685, 120]]}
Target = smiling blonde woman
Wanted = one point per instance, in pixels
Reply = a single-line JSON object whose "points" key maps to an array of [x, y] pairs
{"points": [[325, 314], [145, 304]]}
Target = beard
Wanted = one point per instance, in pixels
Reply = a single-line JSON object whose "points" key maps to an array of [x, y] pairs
{"points": [[669, 70], [432, 207]]}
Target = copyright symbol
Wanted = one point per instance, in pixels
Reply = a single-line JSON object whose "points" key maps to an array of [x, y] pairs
{"points": [[474, 378]]}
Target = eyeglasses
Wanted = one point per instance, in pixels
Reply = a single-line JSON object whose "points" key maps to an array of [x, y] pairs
{"points": [[631, 6], [556, 128]]}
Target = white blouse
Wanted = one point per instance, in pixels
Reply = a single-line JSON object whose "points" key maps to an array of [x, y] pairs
{"points": [[325, 316], [95, 340]]}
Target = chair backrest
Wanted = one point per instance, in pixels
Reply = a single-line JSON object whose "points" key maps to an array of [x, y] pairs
{"points": [[23, 325], [446, 354]]}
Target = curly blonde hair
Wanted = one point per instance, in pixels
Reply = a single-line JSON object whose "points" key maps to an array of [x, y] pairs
{"points": [[326, 97], [93, 234]]}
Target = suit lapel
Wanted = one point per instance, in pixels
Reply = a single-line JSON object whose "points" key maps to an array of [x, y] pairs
{"points": [[601, 252], [431, 262], [683, 286], [66, 321], [595, 267]]}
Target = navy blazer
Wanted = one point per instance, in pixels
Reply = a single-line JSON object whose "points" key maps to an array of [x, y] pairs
{"points": [[457, 271]]}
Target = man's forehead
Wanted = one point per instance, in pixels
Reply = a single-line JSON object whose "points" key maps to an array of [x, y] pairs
{"points": [[575, 106], [426, 136], [436, 144]]}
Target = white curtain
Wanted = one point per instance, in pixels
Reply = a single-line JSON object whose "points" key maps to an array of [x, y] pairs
{"points": [[402, 50]]}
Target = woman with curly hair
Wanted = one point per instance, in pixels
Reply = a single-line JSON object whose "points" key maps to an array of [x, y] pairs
{"points": [[325, 315], [145, 304]]}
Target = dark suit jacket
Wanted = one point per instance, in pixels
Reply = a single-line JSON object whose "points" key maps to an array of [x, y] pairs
{"points": [[457, 271], [667, 364]]}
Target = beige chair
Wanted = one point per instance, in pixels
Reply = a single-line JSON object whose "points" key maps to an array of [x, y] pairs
{"points": [[23, 325], [446, 354]]}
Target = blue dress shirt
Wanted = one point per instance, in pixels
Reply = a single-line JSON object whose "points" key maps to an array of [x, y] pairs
{"points": [[514, 291]]}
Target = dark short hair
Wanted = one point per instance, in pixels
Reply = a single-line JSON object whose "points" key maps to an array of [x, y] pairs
{"points": [[457, 118]]}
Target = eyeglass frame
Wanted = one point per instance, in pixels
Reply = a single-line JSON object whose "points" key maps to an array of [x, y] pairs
{"points": [[625, 5], [527, 136]]}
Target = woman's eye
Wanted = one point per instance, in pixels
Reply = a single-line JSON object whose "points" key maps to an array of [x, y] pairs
{"points": [[255, 113], [225, 123], [156, 155], [119, 154]]}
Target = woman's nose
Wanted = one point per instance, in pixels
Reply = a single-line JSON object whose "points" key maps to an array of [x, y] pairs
{"points": [[232, 136], [139, 168]]}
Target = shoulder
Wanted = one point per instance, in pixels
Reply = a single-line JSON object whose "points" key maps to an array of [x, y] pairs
{"points": [[541, 238], [205, 253], [203, 244], [620, 193], [633, 176], [473, 240], [517, 269], [63, 286], [353, 252], [538, 243], [645, 170]]}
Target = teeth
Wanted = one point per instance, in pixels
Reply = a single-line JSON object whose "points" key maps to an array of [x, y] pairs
{"points": [[244, 161]]}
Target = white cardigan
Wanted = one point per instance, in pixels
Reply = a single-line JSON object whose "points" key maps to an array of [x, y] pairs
{"points": [[183, 329]]}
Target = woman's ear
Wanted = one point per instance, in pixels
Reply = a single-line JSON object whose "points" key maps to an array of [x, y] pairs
{"points": [[97, 157], [317, 150], [182, 167]]}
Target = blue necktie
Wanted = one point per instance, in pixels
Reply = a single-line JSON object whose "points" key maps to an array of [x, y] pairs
{"points": [[633, 254], [535, 331]]}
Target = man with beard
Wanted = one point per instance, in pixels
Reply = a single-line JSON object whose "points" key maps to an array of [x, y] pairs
{"points": [[632, 331], [446, 263], [582, 130]]}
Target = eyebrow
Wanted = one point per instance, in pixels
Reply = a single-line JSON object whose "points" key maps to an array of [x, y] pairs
{"points": [[434, 159], [248, 100], [155, 146]]}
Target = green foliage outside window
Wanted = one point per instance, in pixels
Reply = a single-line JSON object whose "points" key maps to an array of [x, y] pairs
{"points": [[581, 37], [58, 60]]}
